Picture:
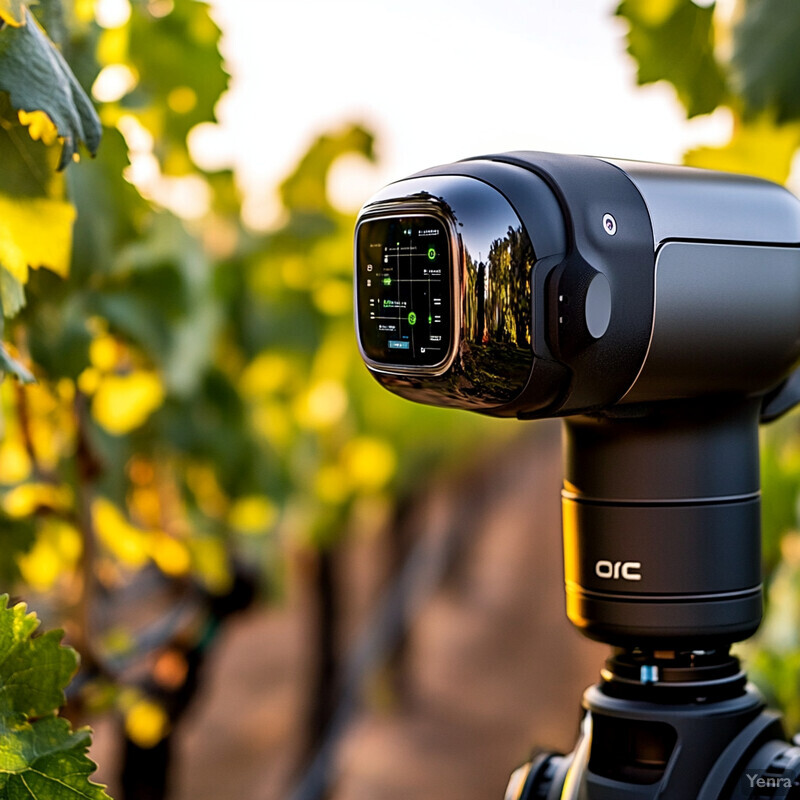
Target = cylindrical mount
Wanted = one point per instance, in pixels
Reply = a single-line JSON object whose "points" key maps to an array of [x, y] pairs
{"points": [[661, 519]]}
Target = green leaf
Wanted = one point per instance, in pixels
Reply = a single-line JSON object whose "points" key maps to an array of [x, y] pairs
{"points": [[37, 78], [33, 672], [47, 761], [27, 167], [112, 211], [58, 336], [12, 294], [160, 295], [766, 58], [17, 537], [11, 365], [305, 190], [673, 40], [40, 756], [35, 217]]}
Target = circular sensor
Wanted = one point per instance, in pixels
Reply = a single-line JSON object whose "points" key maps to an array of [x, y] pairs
{"points": [[609, 224]]}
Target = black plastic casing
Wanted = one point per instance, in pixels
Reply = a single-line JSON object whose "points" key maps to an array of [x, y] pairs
{"points": [[661, 525], [664, 305], [699, 283]]}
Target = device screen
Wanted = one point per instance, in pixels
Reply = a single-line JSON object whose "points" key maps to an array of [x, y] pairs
{"points": [[404, 290]]}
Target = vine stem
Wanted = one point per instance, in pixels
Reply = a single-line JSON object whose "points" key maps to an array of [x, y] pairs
{"points": [[88, 468]]}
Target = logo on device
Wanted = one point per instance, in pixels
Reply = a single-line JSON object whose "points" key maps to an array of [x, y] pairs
{"points": [[627, 570]]}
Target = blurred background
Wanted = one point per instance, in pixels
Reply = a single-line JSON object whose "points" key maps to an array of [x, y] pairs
{"points": [[284, 582]]}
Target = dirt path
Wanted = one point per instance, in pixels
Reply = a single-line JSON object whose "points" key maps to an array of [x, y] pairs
{"points": [[496, 666], [493, 668]]}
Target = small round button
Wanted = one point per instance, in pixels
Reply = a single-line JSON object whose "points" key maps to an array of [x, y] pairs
{"points": [[609, 224]]}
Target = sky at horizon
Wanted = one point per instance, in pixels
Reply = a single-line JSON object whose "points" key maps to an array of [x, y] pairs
{"points": [[436, 82]]}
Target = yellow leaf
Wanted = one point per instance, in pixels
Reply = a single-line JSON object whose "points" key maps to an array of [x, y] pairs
{"points": [[124, 402], [656, 12], [334, 297], [84, 10], [89, 381], [51, 423], [23, 500], [369, 462], [12, 12], [323, 405], [65, 389], [119, 641], [39, 125], [146, 723], [211, 564], [254, 514], [170, 554], [202, 480], [113, 46], [265, 374], [103, 352], [57, 548], [331, 484], [758, 147], [182, 99], [294, 271], [272, 421], [141, 471], [49, 440], [35, 232], [40, 567], [144, 504], [41, 400], [15, 463], [129, 544]]}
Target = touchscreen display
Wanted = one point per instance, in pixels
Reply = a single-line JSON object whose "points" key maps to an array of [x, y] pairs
{"points": [[404, 290]]}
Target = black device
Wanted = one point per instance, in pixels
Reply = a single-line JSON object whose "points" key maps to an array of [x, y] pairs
{"points": [[656, 309]]}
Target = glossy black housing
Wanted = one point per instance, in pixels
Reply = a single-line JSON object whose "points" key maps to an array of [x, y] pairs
{"points": [[699, 275]]}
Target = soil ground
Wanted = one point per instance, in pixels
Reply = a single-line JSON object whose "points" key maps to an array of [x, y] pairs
{"points": [[493, 667]]}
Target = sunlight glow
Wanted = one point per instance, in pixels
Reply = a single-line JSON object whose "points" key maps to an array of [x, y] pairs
{"points": [[113, 83], [112, 13], [351, 179]]}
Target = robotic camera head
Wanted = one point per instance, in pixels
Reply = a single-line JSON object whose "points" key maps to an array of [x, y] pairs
{"points": [[656, 308], [532, 284]]}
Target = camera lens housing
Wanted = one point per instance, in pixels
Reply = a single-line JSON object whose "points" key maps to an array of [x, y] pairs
{"points": [[444, 292]]}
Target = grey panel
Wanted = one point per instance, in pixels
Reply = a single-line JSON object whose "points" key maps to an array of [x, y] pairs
{"points": [[688, 203], [598, 305], [727, 319]]}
